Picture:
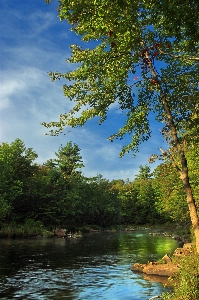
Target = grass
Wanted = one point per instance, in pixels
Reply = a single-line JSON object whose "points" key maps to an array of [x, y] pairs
{"points": [[186, 282], [29, 229]]}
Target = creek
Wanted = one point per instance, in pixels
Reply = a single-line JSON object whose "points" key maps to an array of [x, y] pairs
{"points": [[95, 266]]}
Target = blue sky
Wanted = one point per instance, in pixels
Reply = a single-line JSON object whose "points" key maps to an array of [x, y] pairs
{"points": [[33, 42]]}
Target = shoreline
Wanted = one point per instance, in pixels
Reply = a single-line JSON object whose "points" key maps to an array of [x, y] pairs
{"points": [[14, 231]]}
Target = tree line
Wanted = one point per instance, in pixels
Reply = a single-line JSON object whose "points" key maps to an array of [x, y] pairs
{"points": [[58, 195]]}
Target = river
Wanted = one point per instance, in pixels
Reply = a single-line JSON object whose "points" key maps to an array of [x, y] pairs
{"points": [[96, 266]]}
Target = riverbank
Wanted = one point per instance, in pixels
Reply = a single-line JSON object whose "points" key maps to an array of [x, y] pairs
{"points": [[34, 229], [186, 280], [181, 269]]}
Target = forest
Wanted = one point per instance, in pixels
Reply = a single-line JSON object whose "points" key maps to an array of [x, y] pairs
{"points": [[56, 194]]}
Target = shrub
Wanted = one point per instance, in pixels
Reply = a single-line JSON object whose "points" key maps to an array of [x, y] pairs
{"points": [[186, 282]]}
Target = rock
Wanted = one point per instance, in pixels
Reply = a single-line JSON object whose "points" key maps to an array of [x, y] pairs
{"points": [[154, 268], [188, 246], [167, 259], [160, 269], [154, 233], [138, 267], [186, 250], [77, 235], [60, 232], [166, 269]]}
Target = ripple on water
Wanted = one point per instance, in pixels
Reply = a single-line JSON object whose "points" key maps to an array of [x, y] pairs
{"points": [[83, 271]]}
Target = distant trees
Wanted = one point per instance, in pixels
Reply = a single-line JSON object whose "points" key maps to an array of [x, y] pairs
{"points": [[138, 199], [56, 192], [17, 170], [169, 193], [58, 195], [168, 187]]}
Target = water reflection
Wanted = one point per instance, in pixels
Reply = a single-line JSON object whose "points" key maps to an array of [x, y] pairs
{"points": [[96, 266]]}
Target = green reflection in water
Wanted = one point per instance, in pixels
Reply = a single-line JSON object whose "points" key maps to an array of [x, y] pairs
{"points": [[94, 267]]}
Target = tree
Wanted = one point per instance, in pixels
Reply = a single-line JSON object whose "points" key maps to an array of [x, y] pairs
{"points": [[104, 204], [142, 38], [168, 188], [137, 199], [62, 190], [144, 172], [16, 163], [68, 159], [54, 207], [170, 197]]}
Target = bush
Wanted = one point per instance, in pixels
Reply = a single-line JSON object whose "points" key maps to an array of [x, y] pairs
{"points": [[186, 282], [30, 228]]}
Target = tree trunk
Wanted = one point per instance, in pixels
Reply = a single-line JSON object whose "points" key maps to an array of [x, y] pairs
{"points": [[184, 172], [192, 209]]}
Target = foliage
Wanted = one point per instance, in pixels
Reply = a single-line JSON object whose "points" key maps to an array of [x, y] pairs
{"points": [[131, 38], [144, 172], [16, 164], [168, 188], [105, 203], [192, 154], [186, 283], [30, 228], [52, 195], [137, 199], [52, 208], [68, 159], [169, 193]]}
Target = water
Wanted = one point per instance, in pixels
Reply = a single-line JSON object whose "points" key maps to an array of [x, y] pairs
{"points": [[96, 266]]}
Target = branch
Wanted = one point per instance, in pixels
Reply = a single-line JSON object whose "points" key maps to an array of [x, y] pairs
{"points": [[178, 56], [173, 162]]}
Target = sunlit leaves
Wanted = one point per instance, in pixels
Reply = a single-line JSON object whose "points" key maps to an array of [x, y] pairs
{"points": [[130, 38], [168, 186], [169, 193]]}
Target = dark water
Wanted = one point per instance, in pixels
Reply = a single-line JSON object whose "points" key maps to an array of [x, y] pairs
{"points": [[96, 266]]}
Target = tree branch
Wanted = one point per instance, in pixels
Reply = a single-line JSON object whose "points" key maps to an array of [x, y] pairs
{"points": [[178, 56], [173, 162]]}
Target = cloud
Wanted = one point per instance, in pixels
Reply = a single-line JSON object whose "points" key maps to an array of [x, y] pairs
{"points": [[39, 22], [34, 42]]}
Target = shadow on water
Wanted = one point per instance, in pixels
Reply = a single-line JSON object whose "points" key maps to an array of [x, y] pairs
{"points": [[96, 266]]}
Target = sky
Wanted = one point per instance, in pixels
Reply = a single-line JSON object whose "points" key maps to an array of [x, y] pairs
{"points": [[34, 42]]}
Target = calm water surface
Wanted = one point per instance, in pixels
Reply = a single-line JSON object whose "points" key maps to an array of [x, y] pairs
{"points": [[96, 266]]}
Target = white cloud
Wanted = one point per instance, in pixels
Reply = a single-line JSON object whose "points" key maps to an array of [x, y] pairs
{"points": [[39, 22], [4, 102], [33, 42]]}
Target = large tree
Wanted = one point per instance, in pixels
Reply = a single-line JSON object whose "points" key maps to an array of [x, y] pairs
{"points": [[145, 59]]}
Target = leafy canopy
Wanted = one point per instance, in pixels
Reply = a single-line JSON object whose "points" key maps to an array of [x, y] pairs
{"points": [[69, 159], [138, 51], [17, 167]]}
